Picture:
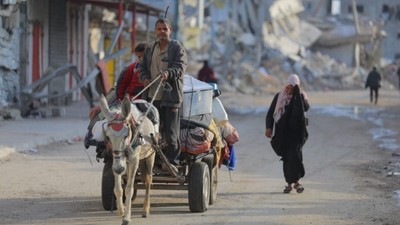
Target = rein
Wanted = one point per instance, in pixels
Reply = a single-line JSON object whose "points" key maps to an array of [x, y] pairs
{"points": [[147, 87], [137, 126], [144, 115]]}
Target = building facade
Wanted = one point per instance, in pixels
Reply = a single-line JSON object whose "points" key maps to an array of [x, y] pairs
{"points": [[384, 12], [37, 37]]}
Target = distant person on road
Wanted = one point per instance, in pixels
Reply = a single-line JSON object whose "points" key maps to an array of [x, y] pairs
{"points": [[128, 82], [286, 125], [206, 73], [398, 74], [374, 83]]}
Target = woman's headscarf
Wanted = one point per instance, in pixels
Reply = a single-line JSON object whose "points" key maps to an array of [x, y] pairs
{"points": [[284, 98]]}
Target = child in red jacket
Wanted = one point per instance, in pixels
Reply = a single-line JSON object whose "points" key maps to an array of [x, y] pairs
{"points": [[128, 82]]}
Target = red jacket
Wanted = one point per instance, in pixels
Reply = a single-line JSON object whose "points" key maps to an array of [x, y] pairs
{"points": [[128, 82]]}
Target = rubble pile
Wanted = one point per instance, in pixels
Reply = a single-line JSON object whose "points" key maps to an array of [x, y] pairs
{"points": [[259, 60], [325, 73], [241, 73]]}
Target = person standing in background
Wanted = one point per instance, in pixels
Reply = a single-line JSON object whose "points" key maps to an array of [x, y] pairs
{"points": [[206, 73], [398, 74], [374, 83]]}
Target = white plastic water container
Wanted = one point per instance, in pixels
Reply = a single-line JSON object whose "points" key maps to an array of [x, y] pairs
{"points": [[197, 97], [219, 113]]}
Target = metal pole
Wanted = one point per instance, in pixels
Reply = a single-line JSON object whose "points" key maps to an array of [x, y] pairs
{"points": [[201, 13], [133, 29], [120, 15]]}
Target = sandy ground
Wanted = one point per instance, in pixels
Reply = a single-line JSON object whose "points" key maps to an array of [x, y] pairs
{"points": [[345, 180]]}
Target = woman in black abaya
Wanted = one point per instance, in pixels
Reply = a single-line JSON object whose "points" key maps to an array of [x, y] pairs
{"points": [[286, 126]]}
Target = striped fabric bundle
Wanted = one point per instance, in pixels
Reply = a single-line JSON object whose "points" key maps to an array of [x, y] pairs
{"points": [[195, 140]]}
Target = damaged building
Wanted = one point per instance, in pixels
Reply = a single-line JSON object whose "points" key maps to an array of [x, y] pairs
{"points": [[9, 54], [331, 44], [54, 52]]}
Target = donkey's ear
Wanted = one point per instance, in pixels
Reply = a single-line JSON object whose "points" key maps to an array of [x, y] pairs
{"points": [[126, 107], [104, 107]]}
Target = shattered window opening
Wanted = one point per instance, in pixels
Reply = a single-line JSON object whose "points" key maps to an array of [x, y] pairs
{"points": [[385, 8], [359, 8]]}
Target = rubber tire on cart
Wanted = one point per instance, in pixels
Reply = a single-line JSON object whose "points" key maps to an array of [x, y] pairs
{"points": [[199, 187], [209, 160], [107, 187]]}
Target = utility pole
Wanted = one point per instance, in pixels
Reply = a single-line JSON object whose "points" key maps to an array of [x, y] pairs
{"points": [[357, 45], [179, 20], [201, 14]]}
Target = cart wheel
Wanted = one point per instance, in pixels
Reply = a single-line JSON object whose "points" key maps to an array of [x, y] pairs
{"points": [[199, 187], [107, 187], [209, 160]]}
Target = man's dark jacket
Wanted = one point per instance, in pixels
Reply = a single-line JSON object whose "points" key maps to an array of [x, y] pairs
{"points": [[177, 62]]}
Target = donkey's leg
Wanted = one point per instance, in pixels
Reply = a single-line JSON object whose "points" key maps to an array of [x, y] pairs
{"points": [[133, 165], [118, 194], [147, 180]]}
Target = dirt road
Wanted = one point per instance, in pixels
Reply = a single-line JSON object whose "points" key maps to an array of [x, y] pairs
{"points": [[343, 183]]}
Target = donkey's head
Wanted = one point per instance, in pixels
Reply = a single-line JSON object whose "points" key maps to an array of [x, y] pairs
{"points": [[118, 132]]}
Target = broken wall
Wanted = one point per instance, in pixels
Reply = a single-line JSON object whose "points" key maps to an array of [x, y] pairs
{"points": [[9, 55]]}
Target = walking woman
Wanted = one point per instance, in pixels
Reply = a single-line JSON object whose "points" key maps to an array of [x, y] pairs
{"points": [[286, 125]]}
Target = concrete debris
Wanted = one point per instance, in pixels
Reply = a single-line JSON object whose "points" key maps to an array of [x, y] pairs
{"points": [[34, 150], [392, 168], [289, 44], [391, 174], [9, 114], [396, 154]]}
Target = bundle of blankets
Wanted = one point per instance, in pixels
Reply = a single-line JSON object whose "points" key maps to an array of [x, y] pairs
{"points": [[203, 132]]}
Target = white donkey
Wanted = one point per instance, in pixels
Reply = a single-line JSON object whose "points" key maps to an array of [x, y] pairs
{"points": [[129, 134]]}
